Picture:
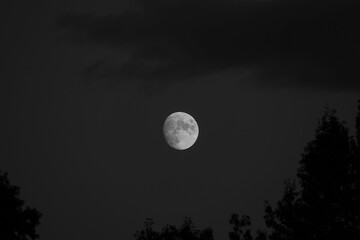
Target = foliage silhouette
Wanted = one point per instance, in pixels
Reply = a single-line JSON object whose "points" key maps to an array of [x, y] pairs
{"points": [[324, 201], [240, 227], [187, 231], [16, 221]]}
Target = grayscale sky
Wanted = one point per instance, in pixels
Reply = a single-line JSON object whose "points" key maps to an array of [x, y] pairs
{"points": [[86, 87]]}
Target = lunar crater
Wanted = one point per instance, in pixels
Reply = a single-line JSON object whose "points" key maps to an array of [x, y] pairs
{"points": [[180, 130]]}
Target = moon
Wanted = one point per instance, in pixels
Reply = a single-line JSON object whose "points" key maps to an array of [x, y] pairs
{"points": [[180, 130]]}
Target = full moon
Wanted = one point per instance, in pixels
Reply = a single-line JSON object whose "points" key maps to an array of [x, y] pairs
{"points": [[180, 130]]}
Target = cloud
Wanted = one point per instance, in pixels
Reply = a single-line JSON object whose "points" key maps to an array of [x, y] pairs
{"points": [[302, 43]]}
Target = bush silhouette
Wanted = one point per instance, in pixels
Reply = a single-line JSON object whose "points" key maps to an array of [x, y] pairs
{"points": [[240, 230], [186, 231], [16, 221]]}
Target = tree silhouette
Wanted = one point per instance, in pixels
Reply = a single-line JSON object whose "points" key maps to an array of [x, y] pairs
{"points": [[240, 227], [16, 221], [324, 202], [187, 231]]}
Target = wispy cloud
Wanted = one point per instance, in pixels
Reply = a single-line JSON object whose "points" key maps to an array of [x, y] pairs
{"points": [[305, 43]]}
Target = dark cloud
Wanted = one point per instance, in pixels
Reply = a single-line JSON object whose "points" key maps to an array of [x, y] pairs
{"points": [[310, 43]]}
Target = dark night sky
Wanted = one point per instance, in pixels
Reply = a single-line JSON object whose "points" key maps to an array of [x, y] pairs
{"points": [[86, 86]]}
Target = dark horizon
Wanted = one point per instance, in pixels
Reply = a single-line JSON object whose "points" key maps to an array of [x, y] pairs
{"points": [[86, 87]]}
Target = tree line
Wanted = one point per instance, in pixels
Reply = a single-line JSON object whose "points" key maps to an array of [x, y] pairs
{"points": [[322, 202]]}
